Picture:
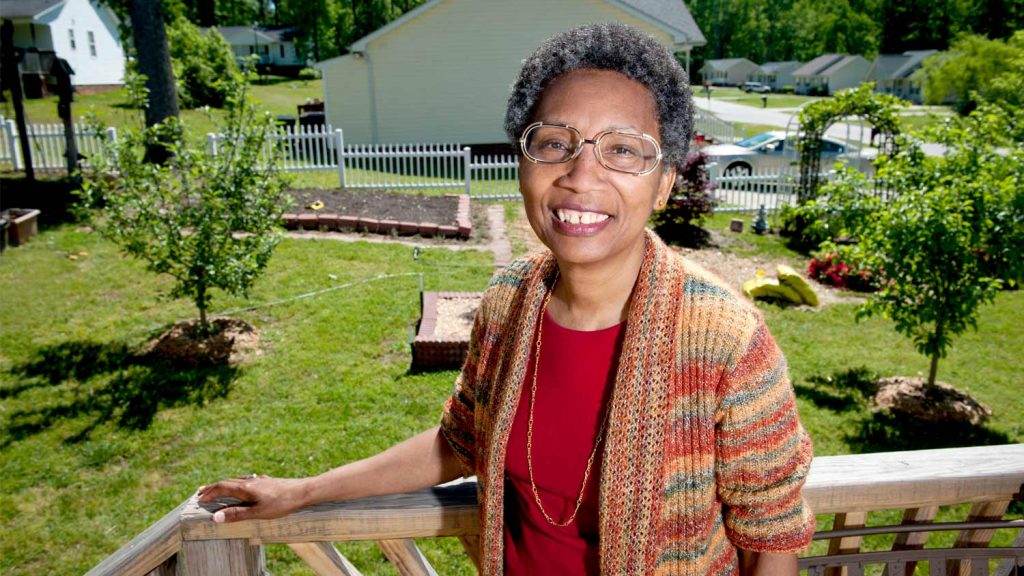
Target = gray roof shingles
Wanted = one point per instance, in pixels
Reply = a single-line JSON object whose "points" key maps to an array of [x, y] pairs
{"points": [[25, 8], [674, 14]]}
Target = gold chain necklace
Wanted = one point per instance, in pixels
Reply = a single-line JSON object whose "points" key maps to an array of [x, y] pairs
{"points": [[529, 431]]}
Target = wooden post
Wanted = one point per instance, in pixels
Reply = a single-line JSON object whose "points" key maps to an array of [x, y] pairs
{"points": [[11, 58], [65, 93], [406, 557], [234, 557], [911, 540], [850, 545], [980, 512]]}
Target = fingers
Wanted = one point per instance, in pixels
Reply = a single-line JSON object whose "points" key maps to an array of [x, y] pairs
{"points": [[234, 514], [224, 488]]}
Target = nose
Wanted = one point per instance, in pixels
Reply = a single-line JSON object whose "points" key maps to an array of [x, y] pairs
{"points": [[584, 171]]}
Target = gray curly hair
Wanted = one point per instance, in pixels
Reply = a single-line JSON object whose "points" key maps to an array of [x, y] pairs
{"points": [[615, 47]]}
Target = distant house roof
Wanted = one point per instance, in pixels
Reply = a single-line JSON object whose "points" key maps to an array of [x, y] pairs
{"points": [[773, 67], [673, 15], [268, 34], [723, 64], [840, 64], [26, 8], [817, 66]]}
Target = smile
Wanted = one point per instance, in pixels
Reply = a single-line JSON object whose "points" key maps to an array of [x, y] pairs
{"points": [[577, 217]]}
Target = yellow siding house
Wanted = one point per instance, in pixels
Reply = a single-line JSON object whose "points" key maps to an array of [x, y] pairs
{"points": [[443, 72]]}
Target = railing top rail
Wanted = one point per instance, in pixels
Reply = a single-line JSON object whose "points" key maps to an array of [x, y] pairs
{"points": [[889, 480], [449, 510], [147, 550]]}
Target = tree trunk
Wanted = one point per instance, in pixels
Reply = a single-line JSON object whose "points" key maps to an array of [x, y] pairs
{"points": [[934, 368], [13, 72], [154, 60]]}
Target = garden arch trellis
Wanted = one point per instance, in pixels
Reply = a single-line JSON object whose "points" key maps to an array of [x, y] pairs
{"points": [[880, 110]]}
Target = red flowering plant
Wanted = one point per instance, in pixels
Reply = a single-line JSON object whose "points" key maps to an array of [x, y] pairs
{"points": [[690, 202], [840, 268]]}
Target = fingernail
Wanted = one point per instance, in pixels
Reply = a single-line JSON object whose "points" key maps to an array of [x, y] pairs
{"points": [[218, 516], [201, 488]]}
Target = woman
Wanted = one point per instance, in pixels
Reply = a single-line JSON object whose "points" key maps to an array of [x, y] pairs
{"points": [[623, 411]]}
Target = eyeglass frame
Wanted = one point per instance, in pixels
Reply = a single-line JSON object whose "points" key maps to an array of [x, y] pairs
{"points": [[597, 154]]}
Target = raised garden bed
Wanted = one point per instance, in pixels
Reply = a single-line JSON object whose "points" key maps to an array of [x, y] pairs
{"points": [[21, 224], [442, 337], [379, 212]]}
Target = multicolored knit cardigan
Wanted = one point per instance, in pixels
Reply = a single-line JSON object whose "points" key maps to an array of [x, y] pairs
{"points": [[704, 450]]}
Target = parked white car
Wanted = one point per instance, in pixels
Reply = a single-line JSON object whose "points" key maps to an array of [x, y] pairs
{"points": [[756, 87], [777, 150]]}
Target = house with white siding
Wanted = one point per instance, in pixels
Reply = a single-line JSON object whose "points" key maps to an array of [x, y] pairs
{"points": [[82, 32], [274, 46], [894, 74], [443, 71], [728, 71], [830, 73], [778, 75]]}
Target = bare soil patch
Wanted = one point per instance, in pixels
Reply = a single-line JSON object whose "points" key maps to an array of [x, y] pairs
{"points": [[231, 342], [377, 204]]}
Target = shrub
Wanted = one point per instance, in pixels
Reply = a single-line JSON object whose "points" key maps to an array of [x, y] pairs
{"points": [[688, 204], [843, 209], [207, 221], [841, 269], [309, 74], [204, 66], [788, 89]]}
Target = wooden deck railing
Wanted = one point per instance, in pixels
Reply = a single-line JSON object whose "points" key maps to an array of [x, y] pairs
{"points": [[186, 541]]}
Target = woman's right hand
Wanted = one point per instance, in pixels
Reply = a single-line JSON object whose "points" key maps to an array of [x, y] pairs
{"points": [[262, 497]]}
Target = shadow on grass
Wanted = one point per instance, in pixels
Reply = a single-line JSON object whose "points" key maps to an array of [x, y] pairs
{"points": [[870, 430], [106, 382]]}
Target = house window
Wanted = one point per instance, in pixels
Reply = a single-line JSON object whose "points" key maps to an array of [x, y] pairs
{"points": [[281, 46], [71, 37], [92, 43]]}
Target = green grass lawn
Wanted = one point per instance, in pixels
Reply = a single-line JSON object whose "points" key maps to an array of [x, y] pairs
{"points": [[112, 109], [737, 96], [96, 443]]}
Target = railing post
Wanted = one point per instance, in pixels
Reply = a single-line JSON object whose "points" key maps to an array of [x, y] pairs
{"points": [[339, 144], [234, 557], [467, 160]]}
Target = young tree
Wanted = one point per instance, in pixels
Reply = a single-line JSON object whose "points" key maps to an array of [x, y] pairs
{"points": [[208, 221], [954, 225]]}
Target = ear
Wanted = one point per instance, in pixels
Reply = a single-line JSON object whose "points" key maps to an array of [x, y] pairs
{"points": [[666, 182]]}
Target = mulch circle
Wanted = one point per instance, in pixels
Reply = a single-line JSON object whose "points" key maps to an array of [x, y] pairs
{"points": [[378, 204], [232, 342]]}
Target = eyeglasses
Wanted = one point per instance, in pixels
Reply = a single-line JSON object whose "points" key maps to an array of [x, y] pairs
{"points": [[636, 154]]}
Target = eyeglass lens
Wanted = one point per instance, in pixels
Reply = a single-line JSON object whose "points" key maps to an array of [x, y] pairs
{"points": [[615, 150]]}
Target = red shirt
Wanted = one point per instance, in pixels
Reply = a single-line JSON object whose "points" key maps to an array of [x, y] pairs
{"points": [[574, 384]]}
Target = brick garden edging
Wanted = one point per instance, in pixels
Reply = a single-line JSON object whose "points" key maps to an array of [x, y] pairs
{"points": [[462, 228], [430, 352]]}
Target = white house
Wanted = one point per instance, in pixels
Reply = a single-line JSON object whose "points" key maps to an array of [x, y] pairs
{"points": [[275, 46], [83, 32], [829, 73], [728, 71], [894, 74], [776, 74], [443, 71]]}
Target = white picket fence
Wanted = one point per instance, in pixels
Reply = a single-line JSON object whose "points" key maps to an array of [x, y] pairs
{"points": [[712, 128], [47, 145]]}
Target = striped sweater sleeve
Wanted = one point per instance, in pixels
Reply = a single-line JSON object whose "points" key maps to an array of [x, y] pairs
{"points": [[458, 418], [763, 453]]}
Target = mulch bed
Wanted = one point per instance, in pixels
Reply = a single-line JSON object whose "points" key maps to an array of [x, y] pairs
{"points": [[377, 211]]}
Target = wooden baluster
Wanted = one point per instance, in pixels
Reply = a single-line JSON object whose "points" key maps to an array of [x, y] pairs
{"points": [[911, 540], [234, 557], [406, 557], [471, 543], [168, 568], [980, 511], [850, 545], [324, 559]]}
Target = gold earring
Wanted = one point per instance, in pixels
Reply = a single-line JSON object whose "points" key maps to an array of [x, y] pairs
{"points": [[661, 203]]}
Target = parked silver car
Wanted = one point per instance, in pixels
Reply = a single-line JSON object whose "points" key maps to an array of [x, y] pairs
{"points": [[777, 150], [756, 87]]}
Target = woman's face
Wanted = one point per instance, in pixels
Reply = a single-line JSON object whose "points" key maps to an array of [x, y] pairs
{"points": [[584, 212]]}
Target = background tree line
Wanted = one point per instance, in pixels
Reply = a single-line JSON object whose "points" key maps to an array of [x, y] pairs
{"points": [[780, 30]]}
